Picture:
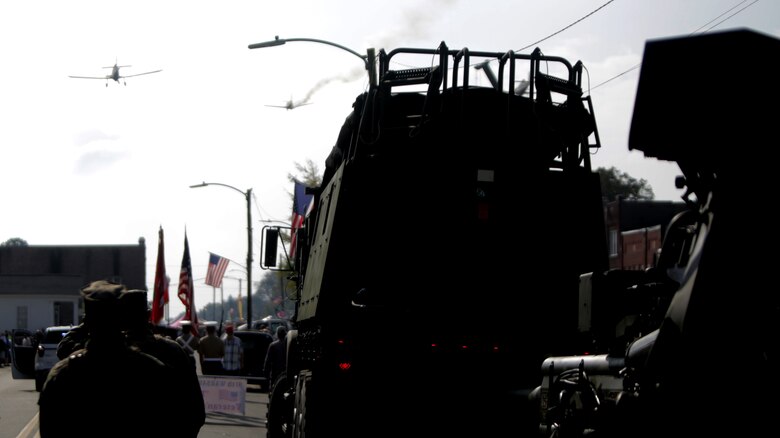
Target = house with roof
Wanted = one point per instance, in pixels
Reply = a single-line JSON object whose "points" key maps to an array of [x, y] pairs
{"points": [[40, 284]]}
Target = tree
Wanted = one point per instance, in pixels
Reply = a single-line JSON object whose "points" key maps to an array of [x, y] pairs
{"points": [[308, 174], [615, 183], [272, 292], [274, 288], [15, 241]]}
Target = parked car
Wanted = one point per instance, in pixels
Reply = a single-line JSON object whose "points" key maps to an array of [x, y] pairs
{"points": [[22, 354], [46, 355], [270, 322], [255, 344]]}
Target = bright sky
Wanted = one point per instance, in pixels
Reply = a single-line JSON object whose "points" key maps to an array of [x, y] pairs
{"points": [[88, 164]]}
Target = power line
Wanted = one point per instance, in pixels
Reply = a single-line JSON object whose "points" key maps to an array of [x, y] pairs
{"points": [[561, 30], [543, 39], [615, 77], [705, 31], [259, 210], [724, 13]]}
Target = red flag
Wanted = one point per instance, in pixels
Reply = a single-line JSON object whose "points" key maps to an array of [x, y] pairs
{"points": [[160, 296], [302, 204], [187, 289], [217, 267]]}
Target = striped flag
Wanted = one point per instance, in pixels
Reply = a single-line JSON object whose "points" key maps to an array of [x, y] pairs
{"points": [[302, 204], [217, 267], [187, 288]]}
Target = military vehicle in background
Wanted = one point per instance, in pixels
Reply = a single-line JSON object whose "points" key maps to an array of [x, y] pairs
{"points": [[706, 363], [450, 196]]}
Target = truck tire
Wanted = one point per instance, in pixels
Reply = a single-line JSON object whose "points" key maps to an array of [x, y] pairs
{"points": [[279, 414], [299, 430], [303, 386]]}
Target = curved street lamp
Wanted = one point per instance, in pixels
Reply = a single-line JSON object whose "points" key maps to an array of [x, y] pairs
{"points": [[248, 196], [368, 59]]}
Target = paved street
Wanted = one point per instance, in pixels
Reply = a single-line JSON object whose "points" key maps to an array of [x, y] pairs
{"points": [[251, 424], [19, 412]]}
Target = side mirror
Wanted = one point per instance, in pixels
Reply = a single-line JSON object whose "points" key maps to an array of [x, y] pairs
{"points": [[270, 250]]}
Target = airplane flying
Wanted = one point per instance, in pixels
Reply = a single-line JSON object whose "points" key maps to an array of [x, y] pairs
{"points": [[115, 74], [291, 105]]}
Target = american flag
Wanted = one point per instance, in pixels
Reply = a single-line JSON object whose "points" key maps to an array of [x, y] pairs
{"points": [[302, 203], [225, 394], [217, 267], [187, 289], [160, 297]]}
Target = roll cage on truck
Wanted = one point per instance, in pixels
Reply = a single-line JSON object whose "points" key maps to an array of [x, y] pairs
{"points": [[448, 198]]}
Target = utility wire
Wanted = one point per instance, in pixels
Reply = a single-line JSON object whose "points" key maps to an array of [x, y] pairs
{"points": [[543, 39], [724, 13], [561, 30], [695, 31]]}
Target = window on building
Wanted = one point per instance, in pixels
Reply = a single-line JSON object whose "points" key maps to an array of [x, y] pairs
{"points": [[63, 313], [613, 243], [21, 317]]}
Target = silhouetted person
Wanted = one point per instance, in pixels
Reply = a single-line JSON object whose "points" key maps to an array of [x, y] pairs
{"points": [[75, 339], [345, 138], [263, 327], [233, 360], [211, 352], [106, 387], [191, 413], [276, 356], [4, 350], [189, 342]]}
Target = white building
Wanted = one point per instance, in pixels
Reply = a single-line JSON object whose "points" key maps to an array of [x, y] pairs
{"points": [[40, 285]]}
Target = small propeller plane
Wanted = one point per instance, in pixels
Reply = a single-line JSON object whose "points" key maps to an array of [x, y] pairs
{"points": [[291, 104], [115, 74]]}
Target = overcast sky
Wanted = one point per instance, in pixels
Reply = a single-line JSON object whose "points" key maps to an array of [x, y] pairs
{"points": [[83, 163]]}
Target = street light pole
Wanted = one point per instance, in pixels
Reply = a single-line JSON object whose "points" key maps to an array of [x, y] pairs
{"points": [[248, 196], [240, 305], [368, 59], [240, 313]]}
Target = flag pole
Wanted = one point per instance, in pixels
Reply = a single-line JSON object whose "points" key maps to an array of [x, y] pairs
{"points": [[240, 304], [214, 303]]}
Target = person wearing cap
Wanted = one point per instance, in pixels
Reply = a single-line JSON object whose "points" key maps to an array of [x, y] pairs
{"points": [[211, 352], [77, 337], [189, 342], [139, 333], [233, 360], [99, 389]]}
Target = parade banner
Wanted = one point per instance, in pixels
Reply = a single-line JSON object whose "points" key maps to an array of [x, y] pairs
{"points": [[223, 394]]}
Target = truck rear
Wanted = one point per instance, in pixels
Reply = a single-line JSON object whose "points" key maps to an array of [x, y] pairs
{"points": [[452, 195]]}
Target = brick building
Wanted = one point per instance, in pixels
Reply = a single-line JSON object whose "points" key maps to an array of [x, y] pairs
{"points": [[635, 230], [39, 285]]}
